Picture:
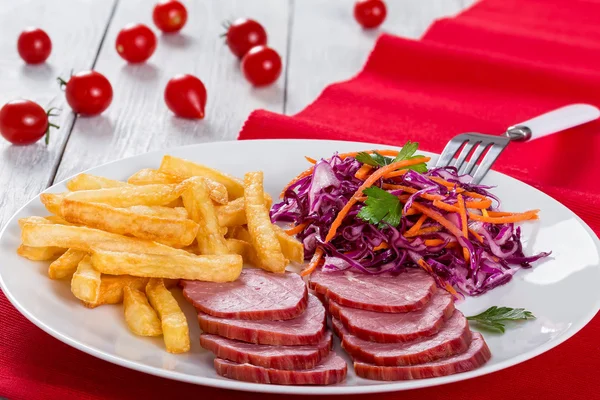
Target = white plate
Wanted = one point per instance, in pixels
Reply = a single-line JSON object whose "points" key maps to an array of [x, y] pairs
{"points": [[561, 291]]}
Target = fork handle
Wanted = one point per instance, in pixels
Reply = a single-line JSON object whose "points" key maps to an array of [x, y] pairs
{"points": [[554, 121]]}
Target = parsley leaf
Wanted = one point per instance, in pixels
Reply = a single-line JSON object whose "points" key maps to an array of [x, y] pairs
{"points": [[406, 153], [494, 317], [380, 206]]}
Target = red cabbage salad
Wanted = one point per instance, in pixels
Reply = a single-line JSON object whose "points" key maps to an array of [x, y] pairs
{"points": [[385, 211]]}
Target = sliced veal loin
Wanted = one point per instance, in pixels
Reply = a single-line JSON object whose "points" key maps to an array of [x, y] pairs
{"points": [[408, 291]]}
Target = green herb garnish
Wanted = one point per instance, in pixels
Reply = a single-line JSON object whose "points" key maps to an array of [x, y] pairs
{"points": [[380, 208], [377, 160], [494, 317]]}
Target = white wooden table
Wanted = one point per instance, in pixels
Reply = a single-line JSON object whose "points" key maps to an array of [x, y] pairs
{"points": [[319, 42]]}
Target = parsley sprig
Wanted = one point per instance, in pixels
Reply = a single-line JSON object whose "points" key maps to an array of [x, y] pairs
{"points": [[381, 208], [377, 160], [494, 317]]}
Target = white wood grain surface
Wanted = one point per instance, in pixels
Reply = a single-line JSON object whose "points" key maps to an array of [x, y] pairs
{"points": [[327, 45], [76, 28], [138, 119], [319, 42]]}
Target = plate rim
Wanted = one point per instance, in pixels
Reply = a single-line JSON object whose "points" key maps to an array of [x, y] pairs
{"points": [[391, 386]]}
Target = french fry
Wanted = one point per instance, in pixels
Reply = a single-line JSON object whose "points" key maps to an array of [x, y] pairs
{"points": [[92, 182], [66, 265], [84, 239], [33, 220], [130, 195], [160, 211], [234, 214], [55, 219], [44, 253], [262, 235], [85, 284], [52, 201], [186, 169], [112, 286], [244, 249], [148, 176], [174, 324], [139, 315], [196, 200], [212, 268], [172, 232], [292, 248], [239, 232], [218, 191]]}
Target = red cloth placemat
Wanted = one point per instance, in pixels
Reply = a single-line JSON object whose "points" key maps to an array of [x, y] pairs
{"points": [[498, 63]]}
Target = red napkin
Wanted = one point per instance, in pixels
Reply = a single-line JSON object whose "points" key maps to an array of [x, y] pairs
{"points": [[498, 63]]}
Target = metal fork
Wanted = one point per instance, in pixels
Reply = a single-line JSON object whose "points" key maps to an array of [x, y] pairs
{"points": [[476, 144]]}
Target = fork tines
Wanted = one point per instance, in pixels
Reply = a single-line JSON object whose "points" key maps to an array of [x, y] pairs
{"points": [[475, 153]]}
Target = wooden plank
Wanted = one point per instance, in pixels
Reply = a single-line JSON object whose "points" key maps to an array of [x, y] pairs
{"points": [[328, 45], [76, 28], [138, 119]]}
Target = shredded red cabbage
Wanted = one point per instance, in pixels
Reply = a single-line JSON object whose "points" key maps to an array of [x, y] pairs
{"points": [[317, 199]]}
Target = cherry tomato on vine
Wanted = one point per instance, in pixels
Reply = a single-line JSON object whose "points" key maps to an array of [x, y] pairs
{"points": [[24, 122], [169, 16], [185, 95], [370, 13], [244, 34], [88, 92], [136, 43], [34, 46], [261, 65]]}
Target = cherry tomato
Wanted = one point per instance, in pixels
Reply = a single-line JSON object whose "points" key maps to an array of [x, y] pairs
{"points": [[185, 95], [34, 45], [169, 16], [88, 92], [370, 13], [244, 34], [136, 43], [261, 65], [24, 122]]}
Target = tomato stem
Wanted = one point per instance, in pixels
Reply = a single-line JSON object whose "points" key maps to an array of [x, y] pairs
{"points": [[50, 124], [62, 83]]}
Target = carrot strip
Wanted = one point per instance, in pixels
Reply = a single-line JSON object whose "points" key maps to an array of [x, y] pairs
{"points": [[485, 212], [395, 174], [296, 229], [383, 152], [528, 215], [444, 206], [408, 189], [462, 211], [449, 185], [310, 160], [411, 211], [363, 172], [499, 214], [475, 195], [424, 231], [314, 263], [439, 218], [382, 246], [366, 184], [433, 242], [477, 235], [416, 226], [481, 204]]}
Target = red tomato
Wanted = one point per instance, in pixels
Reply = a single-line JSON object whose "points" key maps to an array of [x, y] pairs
{"points": [[244, 34], [88, 92], [261, 65], [23, 122], [136, 43], [34, 45], [185, 95], [169, 16], [370, 13]]}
